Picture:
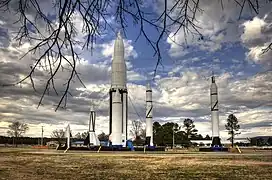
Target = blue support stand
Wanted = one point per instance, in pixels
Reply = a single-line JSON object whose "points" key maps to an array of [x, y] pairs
{"points": [[130, 145]]}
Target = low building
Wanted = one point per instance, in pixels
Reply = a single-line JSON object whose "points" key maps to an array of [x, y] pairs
{"points": [[52, 143], [224, 142]]}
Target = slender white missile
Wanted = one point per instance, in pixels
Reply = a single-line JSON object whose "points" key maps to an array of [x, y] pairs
{"points": [[118, 92], [149, 113], [215, 114], [68, 135], [93, 139]]}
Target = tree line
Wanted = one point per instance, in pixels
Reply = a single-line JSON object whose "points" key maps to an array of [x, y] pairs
{"points": [[167, 134], [256, 141]]}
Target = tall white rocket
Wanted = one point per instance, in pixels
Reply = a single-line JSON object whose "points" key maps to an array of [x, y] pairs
{"points": [[149, 113], [93, 139], [68, 135], [118, 95], [215, 114]]}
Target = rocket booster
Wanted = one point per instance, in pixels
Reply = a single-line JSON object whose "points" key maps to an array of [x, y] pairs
{"points": [[68, 135], [92, 119], [215, 113], [116, 134], [149, 113], [118, 95], [92, 136]]}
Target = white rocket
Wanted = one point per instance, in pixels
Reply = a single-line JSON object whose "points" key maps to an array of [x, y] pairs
{"points": [[215, 114], [118, 95], [68, 135], [93, 139], [149, 113]]}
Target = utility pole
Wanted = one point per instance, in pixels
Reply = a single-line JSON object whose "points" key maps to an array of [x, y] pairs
{"points": [[173, 137], [42, 137]]}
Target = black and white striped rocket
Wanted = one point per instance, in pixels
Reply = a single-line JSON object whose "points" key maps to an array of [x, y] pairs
{"points": [[118, 95], [215, 114], [93, 139], [149, 113]]}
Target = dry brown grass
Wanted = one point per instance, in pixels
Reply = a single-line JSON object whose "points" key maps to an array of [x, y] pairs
{"points": [[48, 164]]}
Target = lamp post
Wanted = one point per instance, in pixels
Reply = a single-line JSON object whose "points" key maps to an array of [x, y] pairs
{"points": [[173, 137], [42, 137]]}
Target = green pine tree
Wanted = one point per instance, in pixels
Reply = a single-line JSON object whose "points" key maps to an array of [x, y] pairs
{"points": [[232, 126]]}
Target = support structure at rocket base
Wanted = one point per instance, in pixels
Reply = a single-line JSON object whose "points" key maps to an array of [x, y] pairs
{"points": [[118, 117]]}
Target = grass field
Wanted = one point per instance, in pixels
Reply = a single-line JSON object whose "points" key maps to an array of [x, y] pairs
{"points": [[50, 164]]}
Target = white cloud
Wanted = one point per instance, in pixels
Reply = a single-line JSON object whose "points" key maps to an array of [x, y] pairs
{"points": [[214, 23], [175, 49], [107, 49], [134, 76], [256, 37], [252, 31], [217, 25]]}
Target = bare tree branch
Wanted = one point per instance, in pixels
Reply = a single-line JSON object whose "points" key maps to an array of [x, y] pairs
{"points": [[53, 40], [136, 128], [268, 48]]}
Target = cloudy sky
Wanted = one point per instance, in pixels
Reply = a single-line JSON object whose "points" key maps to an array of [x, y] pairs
{"points": [[231, 48]]}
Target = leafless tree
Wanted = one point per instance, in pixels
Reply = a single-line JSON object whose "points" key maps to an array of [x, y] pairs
{"points": [[143, 133], [103, 137], [59, 134], [136, 130], [54, 39], [17, 129], [78, 135], [82, 135]]}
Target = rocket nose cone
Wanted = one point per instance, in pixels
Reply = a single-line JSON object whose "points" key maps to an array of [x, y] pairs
{"points": [[148, 86], [118, 48], [119, 36], [92, 108], [213, 79]]}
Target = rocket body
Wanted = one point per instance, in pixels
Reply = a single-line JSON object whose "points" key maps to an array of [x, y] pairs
{"points": [[118, 95], [149, 113], [116, 132], [214, 114], [93, 139], [68, 135]]}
